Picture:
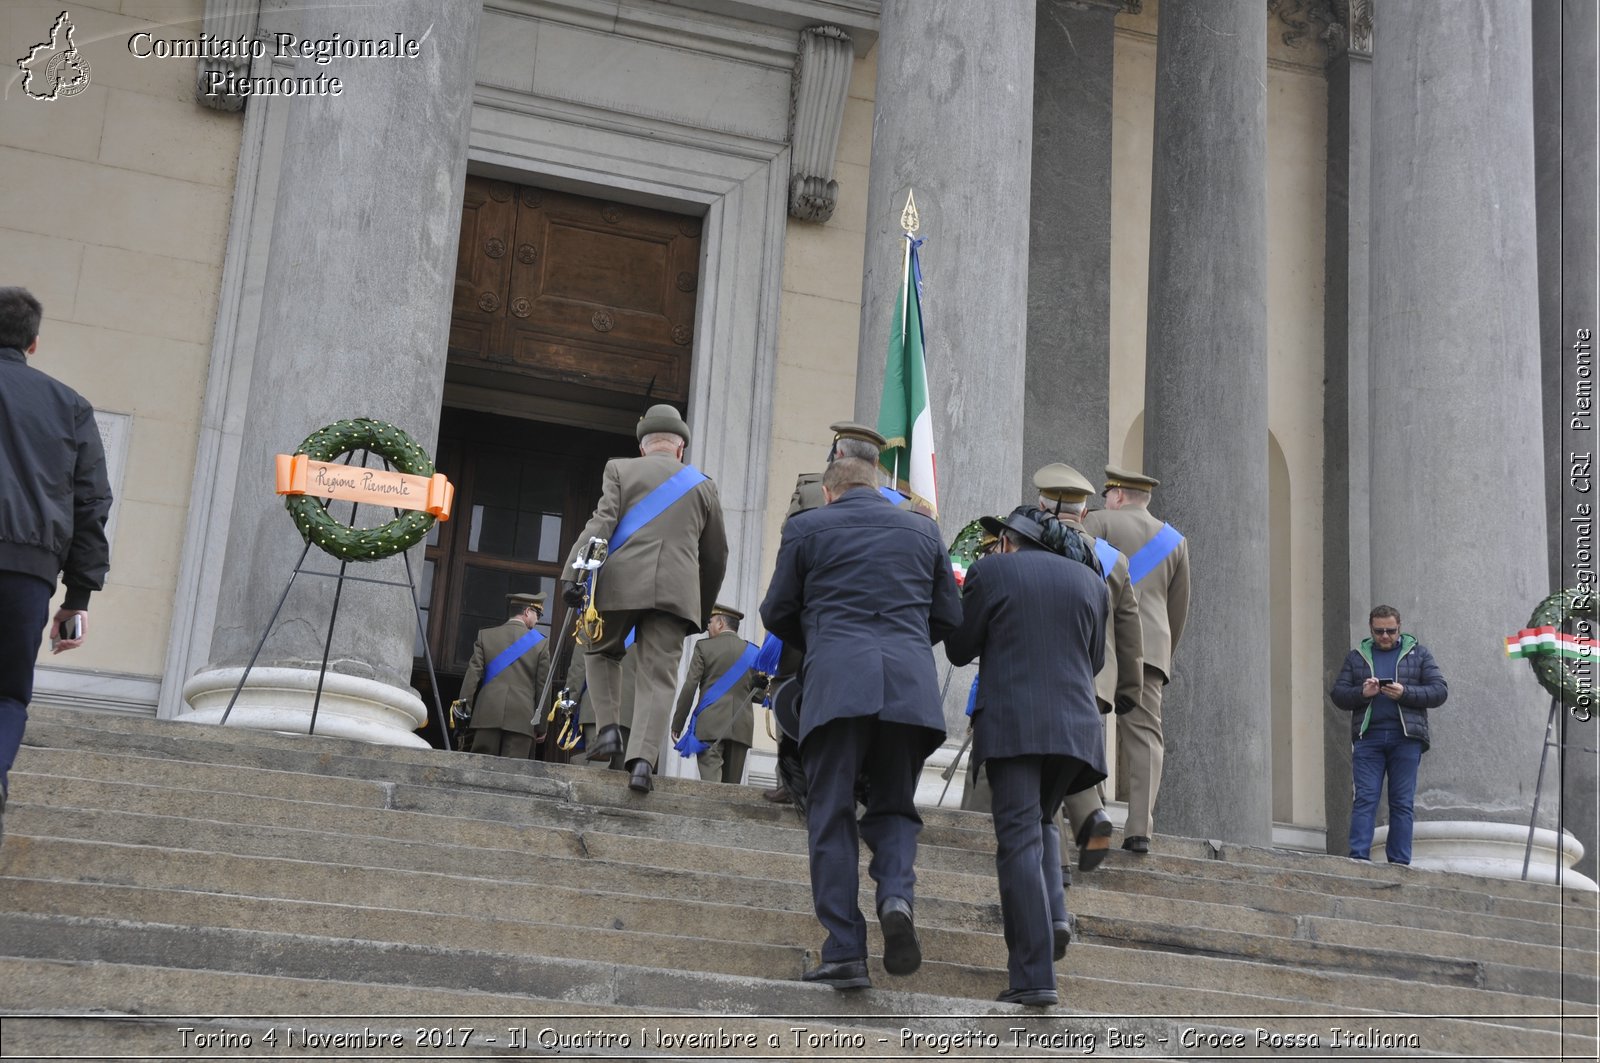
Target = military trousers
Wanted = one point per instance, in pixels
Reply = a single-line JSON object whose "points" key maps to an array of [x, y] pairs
{"points": [[1139, 756], [493, 742], [658, 647], [723, 762]]}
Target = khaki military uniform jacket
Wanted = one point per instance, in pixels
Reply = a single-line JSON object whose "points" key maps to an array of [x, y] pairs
{"points": [[731, 716], [1123, 673], [1163, 593], [676, 562], [508, 703]]}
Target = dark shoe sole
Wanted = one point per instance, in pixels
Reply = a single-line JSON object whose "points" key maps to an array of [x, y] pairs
{"points": [[1137, 845], [902, 953], [1061, 935], [1092, 850], [1030, 998]]}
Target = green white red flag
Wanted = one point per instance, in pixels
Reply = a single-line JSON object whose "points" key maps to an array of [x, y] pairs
{"points": [[904, 417], [1547, 640]]}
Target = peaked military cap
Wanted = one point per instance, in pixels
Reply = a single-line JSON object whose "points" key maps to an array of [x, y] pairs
{"points": [[728, 611], [1133, 481], [851, 430], [519, 602], [662, 417], [1062, 482]]}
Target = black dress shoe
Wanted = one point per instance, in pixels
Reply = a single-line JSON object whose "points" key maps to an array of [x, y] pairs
{"points": [[902, 953], [1094, 840], [1029, 998], [1061, 934], [1136, 844], [840, 974], [639, 781], [778, 795], [607, 743]]}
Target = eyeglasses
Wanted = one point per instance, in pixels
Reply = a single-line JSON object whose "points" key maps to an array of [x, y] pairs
{"points": [[1386, 631]]}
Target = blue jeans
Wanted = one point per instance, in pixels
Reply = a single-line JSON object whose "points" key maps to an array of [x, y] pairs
{"points": [[24, 608], [1374, 755]]}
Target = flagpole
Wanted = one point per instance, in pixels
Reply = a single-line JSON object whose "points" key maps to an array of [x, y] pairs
{"points": [[909, 223]]}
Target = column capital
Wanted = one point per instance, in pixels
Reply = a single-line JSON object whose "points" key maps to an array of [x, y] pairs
{"points": [[1337, 27]]}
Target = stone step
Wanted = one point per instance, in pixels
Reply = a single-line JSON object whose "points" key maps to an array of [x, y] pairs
{"points": [[443, 851], [144, 1006], [473, 793], [1108, 917], [739, 909], [78, 730], [169, 964]]}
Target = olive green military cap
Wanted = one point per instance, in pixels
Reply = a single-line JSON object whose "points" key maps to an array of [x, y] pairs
{"points": [[727, 611], [1063, 483], [851, 430], [518, 602], [662, 417], [1133, 481]]}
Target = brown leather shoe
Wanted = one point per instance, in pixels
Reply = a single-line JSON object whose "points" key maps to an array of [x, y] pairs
{"points": [[1094, 840], [778, 795]]}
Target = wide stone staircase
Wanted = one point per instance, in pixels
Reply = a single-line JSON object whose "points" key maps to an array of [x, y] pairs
{"points": [[181, 890]]}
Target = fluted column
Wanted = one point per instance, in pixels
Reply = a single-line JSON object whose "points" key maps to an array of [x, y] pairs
{"points": [[1458, 516], [1206, 408], [355, 322], [953, 120]]}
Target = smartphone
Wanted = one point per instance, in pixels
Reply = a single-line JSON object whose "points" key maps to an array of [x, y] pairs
{"points": [[1385, 682], [71, 628]]}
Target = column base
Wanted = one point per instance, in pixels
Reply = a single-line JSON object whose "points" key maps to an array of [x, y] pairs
{"points": [[280, 699], [1492, 850]]}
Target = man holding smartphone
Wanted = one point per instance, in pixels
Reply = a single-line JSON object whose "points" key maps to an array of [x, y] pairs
{"points": [[1387, 684], [54, 498]]}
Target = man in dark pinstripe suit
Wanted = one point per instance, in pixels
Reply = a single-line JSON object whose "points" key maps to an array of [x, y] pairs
{"points": [[1037, 620]]}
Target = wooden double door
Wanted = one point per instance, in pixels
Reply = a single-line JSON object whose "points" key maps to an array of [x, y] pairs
{"points": [[567, 309]]}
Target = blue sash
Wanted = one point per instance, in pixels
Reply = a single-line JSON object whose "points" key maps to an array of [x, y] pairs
{"points": [[689, 745], [510, 655], [1108, 555], [654, 504], [892, 495], [1152, 553], [972, 696], [767, 660]]}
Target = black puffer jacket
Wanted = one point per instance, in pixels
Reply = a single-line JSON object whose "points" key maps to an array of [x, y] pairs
{"points": [[1424, 684], [54, 496]]}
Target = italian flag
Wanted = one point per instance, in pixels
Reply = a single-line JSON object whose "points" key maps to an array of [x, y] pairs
{"points": [[904, 419], [1542, 641]]}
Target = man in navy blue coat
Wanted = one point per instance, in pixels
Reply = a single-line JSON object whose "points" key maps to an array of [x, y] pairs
{"points": [[865, 590], [1037, 620]]}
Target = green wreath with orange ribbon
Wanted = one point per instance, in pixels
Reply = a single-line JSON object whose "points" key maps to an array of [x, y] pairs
{"points": [[317, 525]]}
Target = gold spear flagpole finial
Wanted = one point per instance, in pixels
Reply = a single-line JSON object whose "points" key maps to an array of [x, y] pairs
{"points": [[908, 217]]}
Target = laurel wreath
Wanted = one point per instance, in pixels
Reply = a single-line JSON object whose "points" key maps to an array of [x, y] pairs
{"points": [[1574, 687], [361, 544]]}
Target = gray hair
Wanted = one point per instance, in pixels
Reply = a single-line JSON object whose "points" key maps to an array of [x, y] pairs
{"points": [[1059, 506], [850, 447], [655, 442]]}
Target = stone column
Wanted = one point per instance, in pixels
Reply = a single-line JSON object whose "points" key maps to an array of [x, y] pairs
{"points": [[1206, 409], [953, 120], [1458, 524], [1066, 410], [1564, 168], [1346, 430], [355, 322]]}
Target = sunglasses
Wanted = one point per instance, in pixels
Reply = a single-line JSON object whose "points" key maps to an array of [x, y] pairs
{"points": [[1386, 631]]}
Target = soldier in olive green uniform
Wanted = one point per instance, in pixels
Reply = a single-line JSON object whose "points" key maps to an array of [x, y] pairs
{"points": [[727, 725], [503, 709], [1064, 491], [1158, 565], [660, 584]]}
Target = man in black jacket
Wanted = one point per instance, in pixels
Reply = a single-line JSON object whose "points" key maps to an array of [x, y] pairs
{"points": [[53, 504], [1038, 621], [1387, 684]]}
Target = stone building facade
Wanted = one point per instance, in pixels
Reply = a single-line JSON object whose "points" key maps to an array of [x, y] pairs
{"points": [[1291, 262]]}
